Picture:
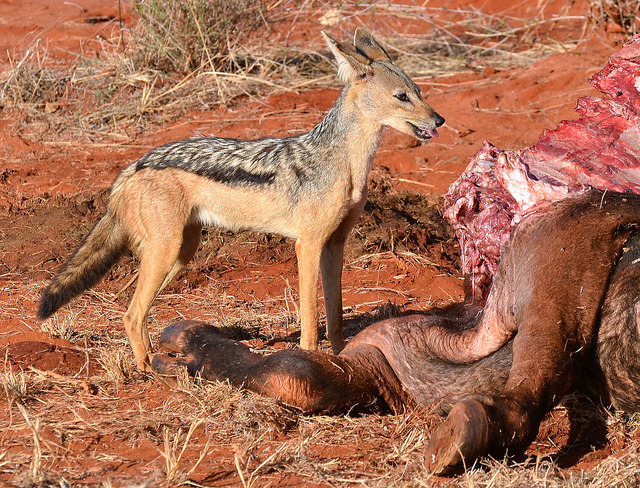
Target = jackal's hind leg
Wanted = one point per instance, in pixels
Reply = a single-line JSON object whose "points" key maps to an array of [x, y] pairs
{"points": [[160, 263], [190, 242]]}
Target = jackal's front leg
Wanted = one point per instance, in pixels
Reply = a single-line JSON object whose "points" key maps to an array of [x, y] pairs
{"points": [[308, 253], [331, 263], [331, 270]]}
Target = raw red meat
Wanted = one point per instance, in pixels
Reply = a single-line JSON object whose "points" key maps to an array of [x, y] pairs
{"points": [[599, 150]]}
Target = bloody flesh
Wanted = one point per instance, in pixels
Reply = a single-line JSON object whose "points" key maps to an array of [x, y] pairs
{"points": [[599, 150]]}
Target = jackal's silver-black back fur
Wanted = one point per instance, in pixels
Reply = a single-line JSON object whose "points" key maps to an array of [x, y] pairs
{"points": [[287, 163]]}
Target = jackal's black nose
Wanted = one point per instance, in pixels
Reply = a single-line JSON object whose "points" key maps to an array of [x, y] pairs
{"points": [[439, 120]]}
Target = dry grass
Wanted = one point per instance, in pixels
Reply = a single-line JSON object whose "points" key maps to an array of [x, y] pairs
{"points": [[118, 367], [192, 35], [203, 433], [625, 14], [63, 326], [175, 445], [29, 81], [17, 386]]}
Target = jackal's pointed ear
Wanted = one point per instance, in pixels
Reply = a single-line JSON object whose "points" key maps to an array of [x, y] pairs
{"points": [[351, 64], [367, 45]]}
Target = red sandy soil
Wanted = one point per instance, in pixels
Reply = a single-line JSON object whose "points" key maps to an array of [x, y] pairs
{"points": [[52, 189]]}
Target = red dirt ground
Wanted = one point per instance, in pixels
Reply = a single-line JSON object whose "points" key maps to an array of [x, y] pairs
{"points": [[52, 189]]}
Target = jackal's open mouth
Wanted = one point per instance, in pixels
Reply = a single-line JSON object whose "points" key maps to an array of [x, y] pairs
{"points": [[423, 133]]}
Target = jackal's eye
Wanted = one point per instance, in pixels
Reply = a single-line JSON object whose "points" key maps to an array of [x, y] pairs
{"points": [[402, 97]]}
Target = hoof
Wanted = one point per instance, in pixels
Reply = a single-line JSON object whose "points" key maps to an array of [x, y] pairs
{"points": [[166, 365], [173, 337], [460, 439], [175, 348], [200, 348]]}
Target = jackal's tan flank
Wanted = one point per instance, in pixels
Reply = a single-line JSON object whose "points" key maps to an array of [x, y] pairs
{"points": [[310, 187]]}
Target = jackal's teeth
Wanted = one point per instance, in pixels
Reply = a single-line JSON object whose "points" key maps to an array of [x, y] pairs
{"points": [[424, 133]]}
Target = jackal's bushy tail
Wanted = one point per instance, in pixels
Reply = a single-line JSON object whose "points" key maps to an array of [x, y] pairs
{"points": [[100, 250]]}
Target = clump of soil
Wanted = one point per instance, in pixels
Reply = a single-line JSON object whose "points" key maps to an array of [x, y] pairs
{"points": [[405, 221]]}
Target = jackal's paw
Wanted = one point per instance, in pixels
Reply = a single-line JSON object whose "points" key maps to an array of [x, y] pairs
{"points": [[460, 439], [145, 366]]}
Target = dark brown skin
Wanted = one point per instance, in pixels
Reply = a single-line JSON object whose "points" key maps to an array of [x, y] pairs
{"points": [[564, 301], [617, 348], [549, 290]]}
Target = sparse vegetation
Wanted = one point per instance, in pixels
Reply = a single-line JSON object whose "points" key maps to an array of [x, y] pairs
{"points": [[30, 81], [625, 14], [118, 368], [63, 326], [192, 35], [17, 387], [199, 53], [175, 445], [35, 476]]}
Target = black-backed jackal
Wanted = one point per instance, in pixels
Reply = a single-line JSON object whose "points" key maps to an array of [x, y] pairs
{"points": [[311, 188]]}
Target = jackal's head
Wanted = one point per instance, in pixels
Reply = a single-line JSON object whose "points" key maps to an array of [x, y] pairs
{"points": [[383, 92]]}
